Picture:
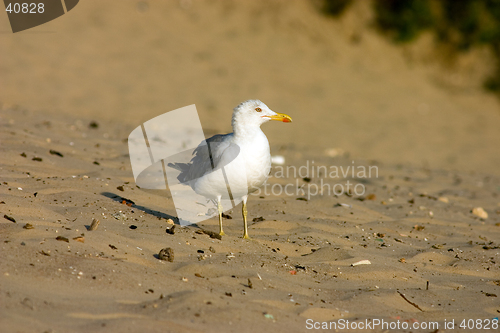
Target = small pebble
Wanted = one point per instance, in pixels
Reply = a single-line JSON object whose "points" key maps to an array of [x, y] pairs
{"points": [[479, 211], [344, 205], [10, 218], [278, 160], [166, 254], [62, 239], [55, 152], [443, 199], [119, 216], [371, 197], [170, 230], [94, 224], [362, 262], [333, 152]]}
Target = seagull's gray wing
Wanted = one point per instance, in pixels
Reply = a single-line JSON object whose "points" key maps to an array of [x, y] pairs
{"points": [[211, 154]]}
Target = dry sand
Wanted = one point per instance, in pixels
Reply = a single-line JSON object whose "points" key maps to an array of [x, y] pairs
{"points": [[352, 96]]}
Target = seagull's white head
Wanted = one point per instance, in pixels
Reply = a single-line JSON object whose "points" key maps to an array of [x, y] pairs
{"points": [[253, 113]]}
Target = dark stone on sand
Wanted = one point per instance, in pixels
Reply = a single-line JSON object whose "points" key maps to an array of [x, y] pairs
{"points": [[166, 254], [55, 152], [170, 230], [62, 239], [10, 218], [93, 225], [212, 234]]}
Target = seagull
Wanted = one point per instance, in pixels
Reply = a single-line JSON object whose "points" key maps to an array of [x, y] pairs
{"points": [[243, 157]]}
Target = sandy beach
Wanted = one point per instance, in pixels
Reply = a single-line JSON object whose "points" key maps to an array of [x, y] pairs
{"points": [[414, 239]]}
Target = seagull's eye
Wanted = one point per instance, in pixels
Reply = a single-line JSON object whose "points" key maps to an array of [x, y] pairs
{"points": [[258, 109]]}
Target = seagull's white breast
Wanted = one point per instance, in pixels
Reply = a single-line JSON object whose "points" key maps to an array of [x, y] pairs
{"points": [[245, 174]]}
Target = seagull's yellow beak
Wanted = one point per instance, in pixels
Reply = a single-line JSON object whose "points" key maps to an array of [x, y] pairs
{"points": [[281, 117]]}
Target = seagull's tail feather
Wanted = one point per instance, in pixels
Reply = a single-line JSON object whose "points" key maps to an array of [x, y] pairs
{"points": [[177, 166], [183, 168]]}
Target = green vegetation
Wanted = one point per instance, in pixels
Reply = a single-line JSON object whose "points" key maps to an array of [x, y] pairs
{"points": [[404, 20], [335, 7], [459, 24]]}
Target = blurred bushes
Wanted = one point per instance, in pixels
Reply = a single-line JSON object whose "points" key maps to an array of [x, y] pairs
{"points": [[460, 24], [335, 7], [404, 19]]}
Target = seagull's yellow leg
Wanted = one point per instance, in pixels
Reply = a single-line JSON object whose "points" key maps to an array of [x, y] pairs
{"points": [[219, 207], [245, 212]]}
